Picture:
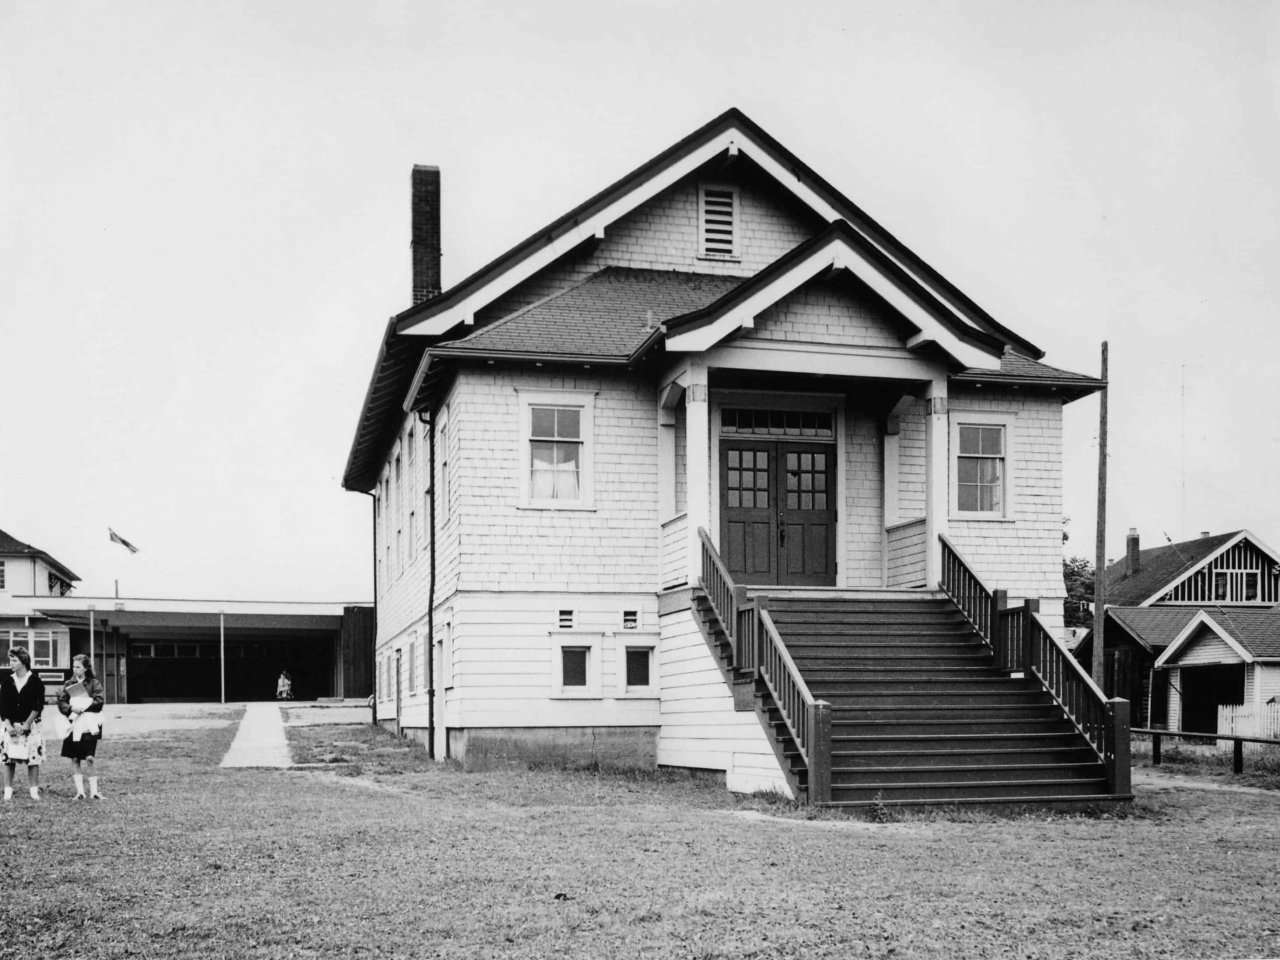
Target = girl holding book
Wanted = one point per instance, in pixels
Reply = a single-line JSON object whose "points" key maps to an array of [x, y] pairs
{"points": [[81, 702], [21, 700]]}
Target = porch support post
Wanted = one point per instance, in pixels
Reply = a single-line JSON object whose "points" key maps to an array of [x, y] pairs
{"points": [[667, 400], [698, 464], [937, 434]]}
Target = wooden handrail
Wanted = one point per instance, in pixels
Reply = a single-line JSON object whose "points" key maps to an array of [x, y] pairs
{"points": [[759, 649], [1022, 643]]}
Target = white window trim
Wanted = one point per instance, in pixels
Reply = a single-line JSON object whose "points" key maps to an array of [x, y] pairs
{"points": [[593, 641], [585, 402], [703, 253], [636, 639], [982, 419]]}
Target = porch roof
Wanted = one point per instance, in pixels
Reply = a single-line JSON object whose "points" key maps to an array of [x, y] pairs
{"points": [[1254, 633], [1019, 371], [1153, 627]]}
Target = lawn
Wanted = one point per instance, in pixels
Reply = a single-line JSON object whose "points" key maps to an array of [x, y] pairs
{"points": [[371, 850]]}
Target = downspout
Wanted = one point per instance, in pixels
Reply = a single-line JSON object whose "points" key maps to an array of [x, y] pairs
{"points": [[373, 641], [426, 421]]}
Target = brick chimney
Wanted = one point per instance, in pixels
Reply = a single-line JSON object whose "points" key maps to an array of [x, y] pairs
{"points": [[424, 242], [1204, 534], [1132, 562]]}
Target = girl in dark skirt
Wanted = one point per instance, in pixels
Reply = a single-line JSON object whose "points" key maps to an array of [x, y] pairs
{"points": [[85, 713]]}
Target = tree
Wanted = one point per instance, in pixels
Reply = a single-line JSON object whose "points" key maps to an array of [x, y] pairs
{"points": [[1078, 575]]}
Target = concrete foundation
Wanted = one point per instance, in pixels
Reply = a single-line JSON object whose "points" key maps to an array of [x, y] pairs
{"points": [[608, 748]]}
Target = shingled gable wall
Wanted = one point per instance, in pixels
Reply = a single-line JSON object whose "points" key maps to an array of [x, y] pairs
{"points": [[663, 235]]}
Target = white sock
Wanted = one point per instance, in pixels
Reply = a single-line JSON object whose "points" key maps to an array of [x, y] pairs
{"points": [[35, 793], [8, 793], [79, 780], [93, 787]]}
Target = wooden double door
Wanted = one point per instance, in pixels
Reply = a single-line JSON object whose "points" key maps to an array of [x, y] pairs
{"points": [[778, 512]]}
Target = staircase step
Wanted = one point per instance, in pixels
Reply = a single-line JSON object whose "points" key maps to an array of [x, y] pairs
{"points": [[932, 727], [946, 791], [854, 776], [940, 716], [880, 673], [940, 743], [978, 757], [1060, 802]]}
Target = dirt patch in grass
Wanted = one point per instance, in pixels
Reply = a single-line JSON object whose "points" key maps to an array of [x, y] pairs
{"points": [[1190, 758], [386, 854]]}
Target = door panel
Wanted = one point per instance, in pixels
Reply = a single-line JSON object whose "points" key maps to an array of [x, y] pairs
{"points": [[777, 505], [747, 505]]}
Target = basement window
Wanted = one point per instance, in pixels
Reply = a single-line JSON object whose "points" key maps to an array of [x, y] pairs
{"points": [[718, 222], [575, 666]]}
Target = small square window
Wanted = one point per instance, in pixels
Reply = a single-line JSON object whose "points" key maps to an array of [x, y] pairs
{"points": [[573, 666], [639, 667]]}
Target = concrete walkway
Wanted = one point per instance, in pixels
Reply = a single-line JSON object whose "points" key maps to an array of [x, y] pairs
{"points": [[260, 741]]}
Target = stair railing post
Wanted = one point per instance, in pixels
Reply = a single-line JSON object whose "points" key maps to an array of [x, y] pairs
{"points": [[999, 642], [820, 752], [739, 601], [1029, 607], [761, 604], [1117, 747]]}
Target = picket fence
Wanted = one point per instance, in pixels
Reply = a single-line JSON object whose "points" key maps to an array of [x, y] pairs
{"points": [[1249, 721]]}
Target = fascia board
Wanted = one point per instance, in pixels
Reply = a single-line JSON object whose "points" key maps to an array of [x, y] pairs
{"points": [[466, 309], [1125, 627], [732, 138], [1242, 535], [836, 254], [1201, 619]]}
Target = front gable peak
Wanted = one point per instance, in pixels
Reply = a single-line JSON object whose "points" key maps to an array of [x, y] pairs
{"points": [[727, 138]]}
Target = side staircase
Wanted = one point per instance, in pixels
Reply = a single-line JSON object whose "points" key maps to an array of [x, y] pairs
{"points": [[902, 698]]}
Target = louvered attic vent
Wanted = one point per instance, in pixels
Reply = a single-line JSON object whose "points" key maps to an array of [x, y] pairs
{"points": [[718, 222]]}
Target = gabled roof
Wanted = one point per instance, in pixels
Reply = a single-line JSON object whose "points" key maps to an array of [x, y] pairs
{"points": [[1254, 634], [732, 132], [1153, 627], [837, 247], [729, 135], [1159, 568], [608, 316], [12, 547]]}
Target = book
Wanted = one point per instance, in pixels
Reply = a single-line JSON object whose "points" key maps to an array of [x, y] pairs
{"points": [[78, 697]]}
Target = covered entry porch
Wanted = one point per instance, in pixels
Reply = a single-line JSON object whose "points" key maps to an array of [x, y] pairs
{"points": [[805, 479]]}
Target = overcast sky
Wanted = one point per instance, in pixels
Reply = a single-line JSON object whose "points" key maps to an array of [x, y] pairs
{"points": [[204, 228]]}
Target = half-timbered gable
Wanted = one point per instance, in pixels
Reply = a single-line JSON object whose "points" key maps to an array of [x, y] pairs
{"points": [[1178, 621], [717, 356]]}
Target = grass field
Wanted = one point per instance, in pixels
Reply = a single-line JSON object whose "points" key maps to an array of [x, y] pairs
{"points": [[373, 851]]}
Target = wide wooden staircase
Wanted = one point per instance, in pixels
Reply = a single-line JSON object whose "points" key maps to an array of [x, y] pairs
{"points": [[907, 698]]}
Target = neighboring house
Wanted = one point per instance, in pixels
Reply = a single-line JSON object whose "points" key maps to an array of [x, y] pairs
{"points": [[27, 574], [718, 341], [1187, 628]]}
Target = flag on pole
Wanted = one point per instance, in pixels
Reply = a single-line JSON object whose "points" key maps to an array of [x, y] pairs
{"points": [[116, 538]]}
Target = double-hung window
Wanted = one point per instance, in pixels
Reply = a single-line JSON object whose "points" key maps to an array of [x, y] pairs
{"points": [[981, 481], [556, 450], [555, 453]]}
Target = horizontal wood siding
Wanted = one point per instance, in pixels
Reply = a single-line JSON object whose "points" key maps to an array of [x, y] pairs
{"points": [[675, 552], [906, 555], [502, 661], [700, 728], [1207, 648]]}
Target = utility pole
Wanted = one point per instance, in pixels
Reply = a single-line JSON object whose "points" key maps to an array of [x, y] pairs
{"points": [[1100, 555]]}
